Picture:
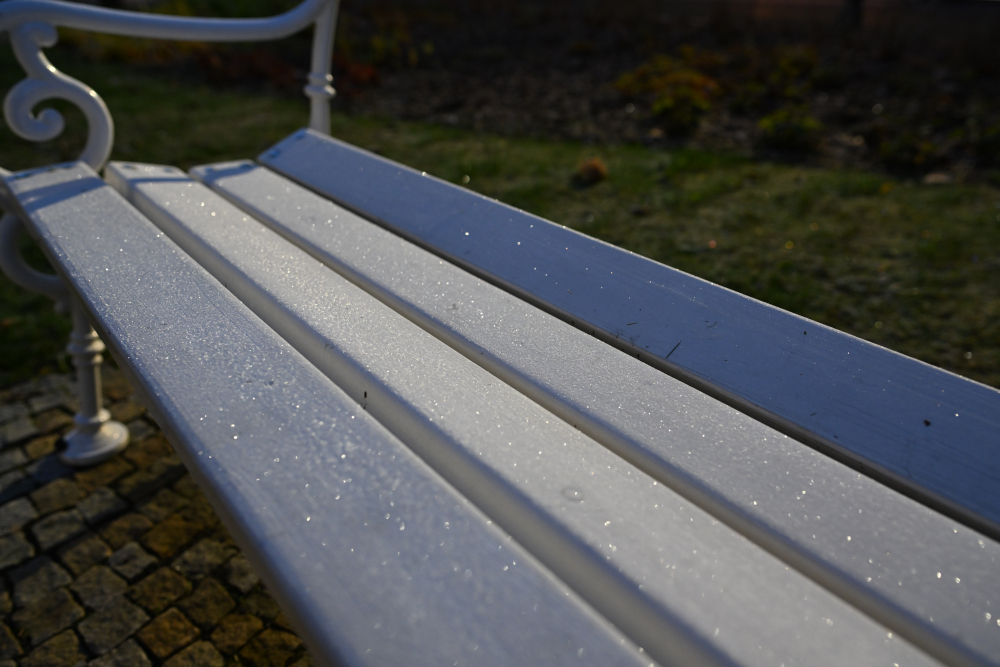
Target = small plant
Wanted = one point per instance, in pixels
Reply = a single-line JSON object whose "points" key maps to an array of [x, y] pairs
{"points": [[590, 171], [681, 94], [791, 129]]}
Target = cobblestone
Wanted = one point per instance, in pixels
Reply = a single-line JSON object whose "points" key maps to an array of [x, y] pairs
{"points": [[159, 590], [126, 529], [235, 630], [40, 447], [167, 633], [14, 549], [63, 650], [202, 558], [48, 615], [162, 505], [131, 561], [15, 514], [127, 655], [208, 604], [104, 474], [139, 430], [111, 625], [84, 552], [57, 528], [56, 495], [97, 586], [101, 505], [240, 574], [11, 459], [17, 430], [36, 578], [124, 564], [201, 654], [271, 647]]}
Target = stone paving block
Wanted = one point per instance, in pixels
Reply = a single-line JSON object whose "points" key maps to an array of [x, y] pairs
{"points": [[116, 387], [48, 615], [111, 625], [83, 553], [167, 633], [17, 430], [12, 411], [271, 647], [200, 654], [48, 468], [143, 483], [56, 528], [52, 420], [56, 495], [157, 591], [170, 536], [12, 458], [139, 430], [9, 646], [101, 505], [49, 400], [6, 604], [281, 621], [235, 630], [240, 574], [42, 446], [144, 454], [104, 474], [187, 487], [63, 650], [127, 655], [13, 484], [36, 578], [202, 558], [14, 549], [126, 411], [126, 529], [201, 512], [98, 586], [260, 604], [131, 561], [15, 514], [209, 603], [162, 505]]}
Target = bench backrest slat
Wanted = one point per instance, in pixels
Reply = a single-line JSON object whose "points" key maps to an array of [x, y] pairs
{"points": [[932, 433], [315, 490], [738, 469], [661, 569]]}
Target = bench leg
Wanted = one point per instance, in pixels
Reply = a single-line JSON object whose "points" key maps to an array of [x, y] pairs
{"points": [[96, 437]]}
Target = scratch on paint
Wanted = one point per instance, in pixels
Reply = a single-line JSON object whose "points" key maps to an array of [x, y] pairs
{"points": [[672, 351]]}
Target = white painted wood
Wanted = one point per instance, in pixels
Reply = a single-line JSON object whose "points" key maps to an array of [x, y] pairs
{"points": [[684, 586], [798, 503], [933, 434], [376, 559]]}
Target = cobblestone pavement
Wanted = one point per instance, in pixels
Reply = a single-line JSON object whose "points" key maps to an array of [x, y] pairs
{"points": [[124, 564]]}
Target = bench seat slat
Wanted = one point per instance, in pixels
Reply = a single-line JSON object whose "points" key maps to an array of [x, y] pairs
{"points": [[374, 558], [682, 585], [726, 461], [930, 432]]}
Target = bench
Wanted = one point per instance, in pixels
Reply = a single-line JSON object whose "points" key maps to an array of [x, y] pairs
{"points": [[448, 432]]}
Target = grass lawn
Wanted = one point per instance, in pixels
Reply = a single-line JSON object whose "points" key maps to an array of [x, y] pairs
{"points": [[912, 267]]}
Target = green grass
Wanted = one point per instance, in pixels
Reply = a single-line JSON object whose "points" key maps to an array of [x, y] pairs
{"points": [[914, 268]]}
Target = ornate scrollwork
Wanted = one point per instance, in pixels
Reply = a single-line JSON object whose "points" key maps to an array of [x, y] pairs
{"points": [[45, 82]]}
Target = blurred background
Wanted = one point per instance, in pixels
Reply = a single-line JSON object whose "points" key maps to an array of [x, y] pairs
{"points": [[836, 158]]}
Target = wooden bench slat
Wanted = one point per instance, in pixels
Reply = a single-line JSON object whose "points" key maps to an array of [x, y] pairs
{"points": [[932, 433], [684, 586], [316, 491], [726, 461]]}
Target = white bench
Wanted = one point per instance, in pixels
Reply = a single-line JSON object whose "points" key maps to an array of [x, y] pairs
{"points": [[401, 398]]}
